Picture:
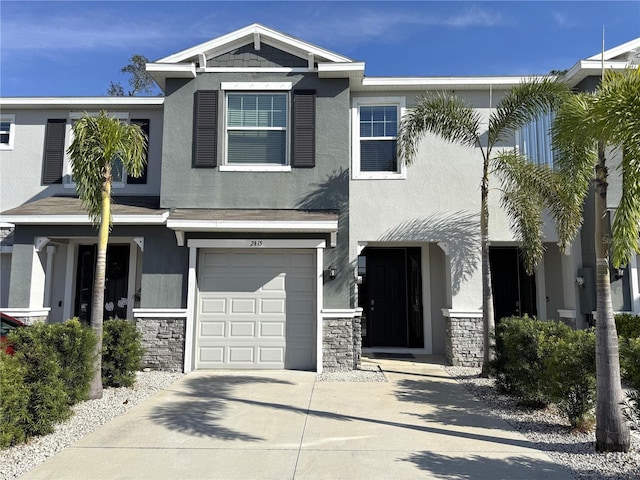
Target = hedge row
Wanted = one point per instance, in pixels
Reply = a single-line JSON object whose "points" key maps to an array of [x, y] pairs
{"points": [[51, 370], [547, 362]]}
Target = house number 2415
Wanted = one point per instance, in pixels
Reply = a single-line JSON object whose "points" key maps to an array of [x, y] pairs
{"points": [[255, 243]]}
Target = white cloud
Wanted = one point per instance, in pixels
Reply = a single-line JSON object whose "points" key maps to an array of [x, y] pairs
{"points": [[563, 20]]}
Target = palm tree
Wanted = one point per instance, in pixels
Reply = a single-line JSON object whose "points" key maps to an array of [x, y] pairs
{"points": [[584, 126], [449, 117], [97, 142]]}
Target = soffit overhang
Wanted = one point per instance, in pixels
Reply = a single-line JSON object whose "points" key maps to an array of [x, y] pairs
{"points": [[618, 58]]}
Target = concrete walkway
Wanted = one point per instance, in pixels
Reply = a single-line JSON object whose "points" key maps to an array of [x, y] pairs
{"points": [[285, 425]]}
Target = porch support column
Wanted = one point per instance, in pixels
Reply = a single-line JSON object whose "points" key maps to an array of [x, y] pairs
{"points": [[37, 292], [51, 250]]}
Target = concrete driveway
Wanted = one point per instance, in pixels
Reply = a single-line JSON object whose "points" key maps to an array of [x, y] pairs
{"points": [[285, 425]]}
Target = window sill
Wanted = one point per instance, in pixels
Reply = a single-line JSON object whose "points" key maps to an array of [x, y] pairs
{"points": [[5, 147], [255, 168], [379, 176]]}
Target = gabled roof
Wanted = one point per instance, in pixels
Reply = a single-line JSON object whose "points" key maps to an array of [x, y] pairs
{"points": [[617, 58], [186, 63], [256, 34]]}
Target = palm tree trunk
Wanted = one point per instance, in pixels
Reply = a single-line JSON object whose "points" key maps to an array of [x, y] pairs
{"points": [[612, 432], [488, 320], [97, 306]]}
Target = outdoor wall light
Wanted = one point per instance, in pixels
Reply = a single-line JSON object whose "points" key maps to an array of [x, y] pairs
{"points": [[332, 271], [580, 281]]}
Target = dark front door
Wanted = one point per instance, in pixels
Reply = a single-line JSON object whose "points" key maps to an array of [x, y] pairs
{"points": [[116, 281], [391, 297], [514, 292], [387, 285]]}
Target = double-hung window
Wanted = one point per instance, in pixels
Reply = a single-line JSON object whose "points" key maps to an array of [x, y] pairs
{"points": [[375, 129], [257, 126], [7, 131]]}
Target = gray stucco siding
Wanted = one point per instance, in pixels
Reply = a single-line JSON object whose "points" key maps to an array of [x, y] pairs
{"points": [[24, 163], [325, 186], [211, 188]]}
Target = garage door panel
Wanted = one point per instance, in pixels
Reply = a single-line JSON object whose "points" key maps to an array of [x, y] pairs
{"points": [[241, 355], [242, 329], [303, 259], [256, 309], [273, 305], [272, 329], [213, 306], [212, 329], [212, 354], [271, 355], [242, 306]]}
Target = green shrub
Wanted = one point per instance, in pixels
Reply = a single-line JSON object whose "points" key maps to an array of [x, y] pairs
{"points": [[570, 375], [14, 398], [48, 402], [74, 344], [521, 347], [630, 361], [121, 353], [627, 326]]}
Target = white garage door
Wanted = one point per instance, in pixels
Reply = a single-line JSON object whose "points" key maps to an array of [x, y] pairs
{"points": [[256, 309]]}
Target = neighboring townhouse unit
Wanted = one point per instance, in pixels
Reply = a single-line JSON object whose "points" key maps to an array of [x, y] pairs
{"points": [[274, 227]]}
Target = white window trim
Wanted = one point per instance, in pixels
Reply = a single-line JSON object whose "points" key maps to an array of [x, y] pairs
{"points": [[272, 87], [11, 118], [66, 168], [357, 102]]}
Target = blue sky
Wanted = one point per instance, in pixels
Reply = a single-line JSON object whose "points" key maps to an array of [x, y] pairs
{"points": [[75, 48]]}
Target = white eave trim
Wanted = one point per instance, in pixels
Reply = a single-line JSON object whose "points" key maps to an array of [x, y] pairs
{"points": [[409, 83], [173, 70], [586, 68], [616, 51], [84, 219], [327, 226], [38, 102], [337, 70]]}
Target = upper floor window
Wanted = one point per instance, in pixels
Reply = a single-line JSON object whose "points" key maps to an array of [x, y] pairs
{"points": [[534, 140], [375, 127], [57, 164], [257, 128], [7, 131]]}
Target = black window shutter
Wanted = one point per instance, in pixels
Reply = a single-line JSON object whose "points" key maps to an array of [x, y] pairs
{"points": [[205, 130], [304, 129], [53, 151], [142, 179]]}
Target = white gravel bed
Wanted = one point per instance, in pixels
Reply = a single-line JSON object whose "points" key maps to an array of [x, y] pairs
{"points": [[551, 433], [87, 416], [366, 373]]}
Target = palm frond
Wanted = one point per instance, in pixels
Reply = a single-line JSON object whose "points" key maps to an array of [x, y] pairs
{"points": [[441, 114], [97, 141], [626, 223], [522, 103]]}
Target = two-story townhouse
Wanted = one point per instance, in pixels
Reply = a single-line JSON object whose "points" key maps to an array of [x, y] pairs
{"points": [[276, 229], [48, 259], [241, 257]]}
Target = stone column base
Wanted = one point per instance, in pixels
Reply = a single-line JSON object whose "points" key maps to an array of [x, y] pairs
{"points": [[163, 341], [465, 341], [342, 342]]}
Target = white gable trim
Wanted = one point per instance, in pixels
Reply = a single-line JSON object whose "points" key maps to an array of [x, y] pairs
{"points": [[617, 51], [248, 35]]}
